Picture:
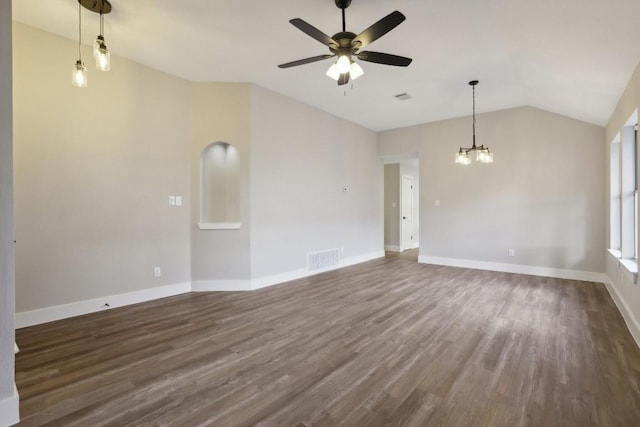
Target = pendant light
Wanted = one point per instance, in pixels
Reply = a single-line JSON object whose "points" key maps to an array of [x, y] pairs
{"points": [[483, 155], [79, 72], [101, 54]]}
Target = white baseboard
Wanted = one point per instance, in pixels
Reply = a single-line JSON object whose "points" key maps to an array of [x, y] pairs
{"points": [[392, 248], [275, 279], [559, 273], [220, 285], [10, 409], [263, 282], [632, 323], [50, 314]]}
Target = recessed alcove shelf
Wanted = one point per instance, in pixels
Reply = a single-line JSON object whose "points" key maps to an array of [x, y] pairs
{"points": [[219, 187], [219, 225]]}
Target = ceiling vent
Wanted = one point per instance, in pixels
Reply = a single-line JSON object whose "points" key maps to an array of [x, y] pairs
{"points": [[402, 96]]}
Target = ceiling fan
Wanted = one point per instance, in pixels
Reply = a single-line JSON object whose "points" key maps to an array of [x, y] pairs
{"points": [[346, 46]]}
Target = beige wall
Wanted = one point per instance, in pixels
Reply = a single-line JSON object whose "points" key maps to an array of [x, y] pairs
{"points": [[622, 282], [543, 195], [94, 168], [221, 113], [7, 298], [301, 159]]}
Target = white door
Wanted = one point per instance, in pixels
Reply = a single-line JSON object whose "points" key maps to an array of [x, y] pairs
{"points": [[406, 213]]}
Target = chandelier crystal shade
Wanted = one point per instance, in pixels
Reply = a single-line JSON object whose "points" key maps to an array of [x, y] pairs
{"points": [[483, 154]]}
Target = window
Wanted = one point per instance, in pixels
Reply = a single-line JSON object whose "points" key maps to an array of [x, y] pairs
{"points": [[624, 195], [635, 191]]}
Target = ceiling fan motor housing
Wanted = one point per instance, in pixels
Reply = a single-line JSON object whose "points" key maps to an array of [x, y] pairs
{"points": [[343, 4], [344, 42]]}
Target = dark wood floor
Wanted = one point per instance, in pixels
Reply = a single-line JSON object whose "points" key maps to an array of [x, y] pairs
{"points": [[388, 342]]}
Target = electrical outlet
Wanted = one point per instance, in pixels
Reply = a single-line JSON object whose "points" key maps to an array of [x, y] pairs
{"points": [[172, 200], [157, 272], [512, 252]]}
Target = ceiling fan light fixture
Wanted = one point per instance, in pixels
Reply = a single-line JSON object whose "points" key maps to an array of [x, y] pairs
{"points": [[355, 70], [333, 72], [343, 64]]}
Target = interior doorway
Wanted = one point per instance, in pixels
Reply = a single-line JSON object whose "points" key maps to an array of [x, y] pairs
{"points": [[406, 213], [401, 203]]}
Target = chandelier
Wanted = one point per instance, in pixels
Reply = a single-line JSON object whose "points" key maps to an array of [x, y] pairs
{"points": [[483, 155]]}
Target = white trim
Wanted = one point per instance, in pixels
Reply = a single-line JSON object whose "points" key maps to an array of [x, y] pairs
{"points": [[630, 265], [588, 276], [416, 245], [49, 314], [276, 279], [15, 348], [220, 285], [632, 323], [219, 225], [10, 409], [392, 248]]}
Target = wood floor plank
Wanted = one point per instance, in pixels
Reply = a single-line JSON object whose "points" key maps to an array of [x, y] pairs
{"points": [[385, 343]]}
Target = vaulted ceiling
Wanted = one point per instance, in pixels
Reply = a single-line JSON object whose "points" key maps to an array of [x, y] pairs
{"points": [[572, 57]]}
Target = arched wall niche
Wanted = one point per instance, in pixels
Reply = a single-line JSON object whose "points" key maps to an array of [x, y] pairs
{"points": [[219, 187]]}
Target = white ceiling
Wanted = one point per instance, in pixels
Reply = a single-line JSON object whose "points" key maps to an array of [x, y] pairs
{"points": [[572, 57]]}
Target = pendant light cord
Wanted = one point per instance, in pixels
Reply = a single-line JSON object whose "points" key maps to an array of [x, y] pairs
{"points": [[80, 31], [474, 115], [101, 23]]}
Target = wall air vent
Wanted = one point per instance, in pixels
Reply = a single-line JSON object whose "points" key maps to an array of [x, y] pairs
{"points": [[402, 96], [323, 259]]}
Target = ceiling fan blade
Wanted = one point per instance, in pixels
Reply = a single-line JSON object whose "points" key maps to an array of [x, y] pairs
{"points": [[344, 79], [305, 61], [384, 58], [313, 32], [378, 29]]}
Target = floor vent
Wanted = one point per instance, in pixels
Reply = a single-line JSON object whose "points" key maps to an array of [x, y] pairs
{"points": [[323, 259]]}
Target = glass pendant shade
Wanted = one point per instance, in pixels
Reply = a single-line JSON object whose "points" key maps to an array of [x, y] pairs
{"points": [[96, 45], [355, 71], [79, 75], [462, 158], [103, 58], [333, 72], [343, 64]]}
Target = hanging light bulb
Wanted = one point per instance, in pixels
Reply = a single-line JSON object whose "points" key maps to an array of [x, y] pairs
{"points": [[355, 70], [343, 64], [79, 71], [100, 52], [462, 157], [79, 74], [96, 45], [103, 58]]}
